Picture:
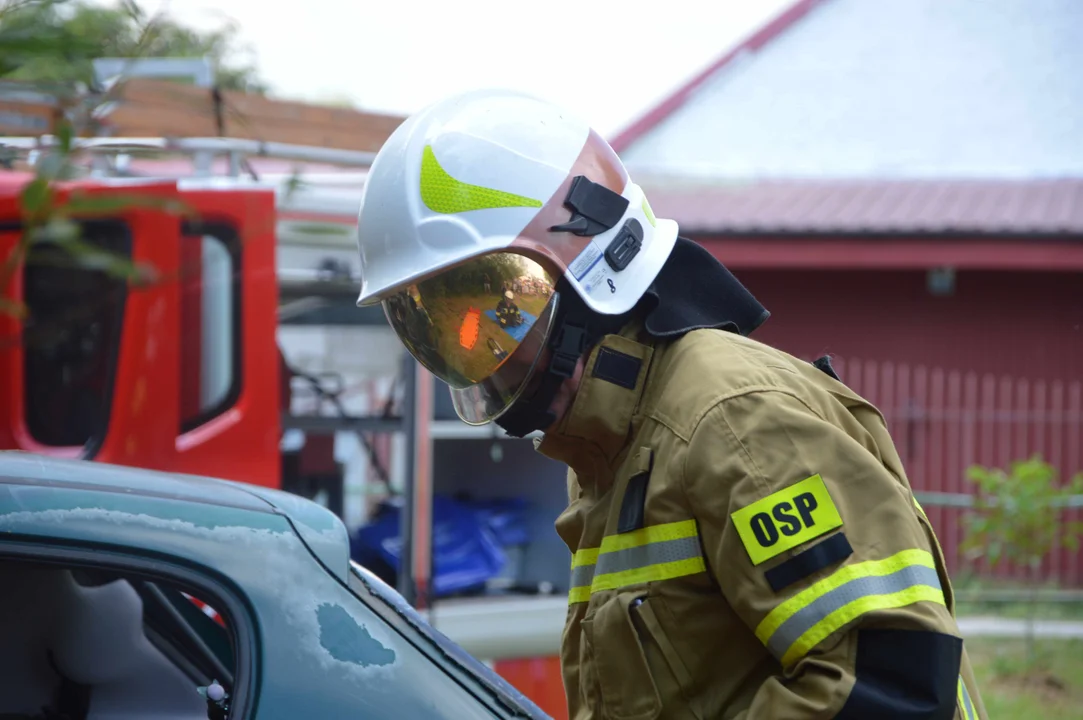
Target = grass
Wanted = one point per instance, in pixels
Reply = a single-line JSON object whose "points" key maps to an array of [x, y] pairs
{"points": [[1044, 609], [1018, 610], [1051, 690]]}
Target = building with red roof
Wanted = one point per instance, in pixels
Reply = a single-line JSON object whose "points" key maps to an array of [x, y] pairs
{"points": [[901, 183]]}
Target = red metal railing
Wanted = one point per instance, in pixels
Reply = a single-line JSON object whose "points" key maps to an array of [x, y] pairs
{"points": [[944, 421]]}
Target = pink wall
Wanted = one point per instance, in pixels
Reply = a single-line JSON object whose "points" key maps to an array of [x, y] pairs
{"points": [[1027, 325], [987, 376]]}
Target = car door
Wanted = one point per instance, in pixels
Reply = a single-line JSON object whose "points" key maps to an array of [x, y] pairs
{"points": [[85, 354], [229, 419]]}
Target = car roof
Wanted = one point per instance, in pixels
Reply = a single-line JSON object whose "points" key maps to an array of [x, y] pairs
{"points": [[21, 468], [318, 528]]}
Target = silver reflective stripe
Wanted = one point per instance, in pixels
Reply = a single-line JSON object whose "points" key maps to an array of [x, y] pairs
{"points": [[653, 553], [970, 715], [582, 576], [807, 617]]}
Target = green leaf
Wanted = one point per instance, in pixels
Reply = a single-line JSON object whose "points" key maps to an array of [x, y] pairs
{"points": [[36, 195], [1017, 514], [13, 308], [57, 229], [98, 205], [132, 10], [65, 132], [53, 166], [93, 257], [321, 229]]}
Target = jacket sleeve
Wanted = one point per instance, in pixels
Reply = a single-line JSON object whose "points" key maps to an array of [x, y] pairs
{"points": [[819, 548]]}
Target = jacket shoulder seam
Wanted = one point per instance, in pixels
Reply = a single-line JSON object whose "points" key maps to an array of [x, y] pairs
{"points": [[716, 408], [710, 406]]}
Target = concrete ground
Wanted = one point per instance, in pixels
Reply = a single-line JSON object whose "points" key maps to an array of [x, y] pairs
{"points": [[989, 626]]}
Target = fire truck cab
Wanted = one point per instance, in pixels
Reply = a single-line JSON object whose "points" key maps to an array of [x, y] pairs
{"points": [[164, 376]]}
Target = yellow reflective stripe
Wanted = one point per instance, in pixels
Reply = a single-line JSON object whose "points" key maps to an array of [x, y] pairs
{"points": [[647, 211], [654, 533], [650, 573], [650, 554], [797, 625], [583, 562], [787, 609], [586, 556], [444, 194], [843, 616], [920, 508], [966, 707]]}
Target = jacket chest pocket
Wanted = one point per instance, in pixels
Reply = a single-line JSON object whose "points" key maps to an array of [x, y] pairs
{"points": [[635, 669], [614, 661]]}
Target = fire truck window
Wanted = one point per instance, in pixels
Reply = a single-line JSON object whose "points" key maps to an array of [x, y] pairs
{"points": [[71, 339], [209, 350]]}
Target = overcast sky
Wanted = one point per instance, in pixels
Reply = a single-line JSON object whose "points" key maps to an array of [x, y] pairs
{"points": [[607, 60]]}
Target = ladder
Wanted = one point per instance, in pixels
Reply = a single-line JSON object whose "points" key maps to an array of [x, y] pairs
{"points": [[111, 156]]}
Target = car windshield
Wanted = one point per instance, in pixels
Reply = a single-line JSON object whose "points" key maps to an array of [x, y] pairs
{"points": [[498, 687]]}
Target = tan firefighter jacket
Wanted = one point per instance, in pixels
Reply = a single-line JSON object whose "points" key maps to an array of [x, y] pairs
{"points": [[746, 545]]}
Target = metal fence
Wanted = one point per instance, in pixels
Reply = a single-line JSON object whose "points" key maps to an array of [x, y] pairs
{"points": [[943, 422]]}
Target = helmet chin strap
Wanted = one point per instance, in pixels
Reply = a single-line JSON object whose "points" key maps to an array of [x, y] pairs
{"points": [[692, 290], [576, 330], [594, 210]]}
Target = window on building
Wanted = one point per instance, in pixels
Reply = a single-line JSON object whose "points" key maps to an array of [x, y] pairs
{"points": [[210, 322], [71, 338]]}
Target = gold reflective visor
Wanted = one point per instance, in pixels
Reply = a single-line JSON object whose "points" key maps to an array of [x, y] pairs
{"points": [[478, 326]]}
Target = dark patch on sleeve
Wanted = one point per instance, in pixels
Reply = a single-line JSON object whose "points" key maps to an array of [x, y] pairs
{"points": [[833, 550], [904, 675], [617, 368], [347, 641]]}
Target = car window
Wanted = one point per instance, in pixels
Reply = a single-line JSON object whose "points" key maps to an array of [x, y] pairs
{"points": [[438, 646], [83, 643]]}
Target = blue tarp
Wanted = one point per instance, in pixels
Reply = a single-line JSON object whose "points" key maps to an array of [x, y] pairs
{"points": [[516, 332], [468, 540]]}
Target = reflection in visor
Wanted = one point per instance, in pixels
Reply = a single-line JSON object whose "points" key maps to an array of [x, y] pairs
{"points": [[480, 327]]}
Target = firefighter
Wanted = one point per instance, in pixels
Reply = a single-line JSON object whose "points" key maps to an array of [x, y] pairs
{"points": [[744, 539]]}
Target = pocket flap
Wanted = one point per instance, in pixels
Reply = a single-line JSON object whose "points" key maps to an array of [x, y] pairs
{"points": [[627, 689]]}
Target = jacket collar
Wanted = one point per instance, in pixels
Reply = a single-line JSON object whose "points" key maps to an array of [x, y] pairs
{"points": [[594, 434]]}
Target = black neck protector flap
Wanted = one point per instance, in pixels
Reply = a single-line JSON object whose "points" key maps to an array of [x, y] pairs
{"points": [[694, 291]]}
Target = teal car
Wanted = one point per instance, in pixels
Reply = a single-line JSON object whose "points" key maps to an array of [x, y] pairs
{"points": [[106, 573]]}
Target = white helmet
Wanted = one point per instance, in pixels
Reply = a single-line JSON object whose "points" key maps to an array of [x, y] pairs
{"points": [[492, 186]]}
